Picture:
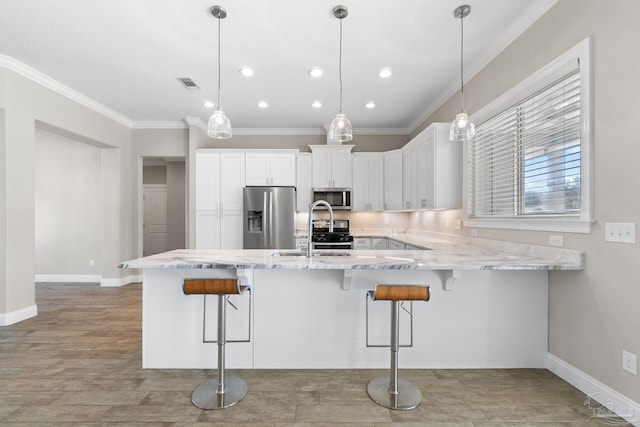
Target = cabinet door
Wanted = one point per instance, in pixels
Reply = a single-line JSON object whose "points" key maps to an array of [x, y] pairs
{"points": [[303, 182], [378, 243], [231, 230], [207, 185], [341, 169], [207, 230], [321, 161], [408, 179], [282, 168], [395, 245], [359, 193], [257, 169], [421, 174], [375, 178], [393, 181], [231, 180], [362, 243]]}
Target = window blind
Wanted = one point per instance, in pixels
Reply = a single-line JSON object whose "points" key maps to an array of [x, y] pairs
{"points": [[525, 161]]}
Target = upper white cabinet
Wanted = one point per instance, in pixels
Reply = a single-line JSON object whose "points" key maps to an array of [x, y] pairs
{"points": [[275, 167], [368, 182], [393, 180], [331, 166], [431, 170], [303, 181]]}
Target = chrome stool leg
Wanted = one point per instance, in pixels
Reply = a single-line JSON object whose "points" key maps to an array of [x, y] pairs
{"points": [[391, 392], [221, 392]]}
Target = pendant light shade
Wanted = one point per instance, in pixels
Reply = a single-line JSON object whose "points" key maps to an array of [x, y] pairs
{"points": [[340, 130], [462, 128], [219, 125]]}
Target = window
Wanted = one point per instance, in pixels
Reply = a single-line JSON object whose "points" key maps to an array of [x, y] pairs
{"points": [[528, 167]]}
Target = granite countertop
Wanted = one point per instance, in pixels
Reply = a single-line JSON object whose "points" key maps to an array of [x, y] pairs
{"points": [[447, 252]]}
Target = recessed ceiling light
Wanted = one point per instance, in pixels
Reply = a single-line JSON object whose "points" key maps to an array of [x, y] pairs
{"points": [[384, 73], [246, 71], [316, 104], [208, 104], [370, 104], [315, 72], [263, 104]]}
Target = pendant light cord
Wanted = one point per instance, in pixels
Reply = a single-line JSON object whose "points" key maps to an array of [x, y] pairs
{"points": [[340, 66], [219, 64], [462, 57]]}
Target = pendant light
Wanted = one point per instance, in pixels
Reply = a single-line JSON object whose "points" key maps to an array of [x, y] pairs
{"points": [[462, 128], [340, 130], [219, 125]]}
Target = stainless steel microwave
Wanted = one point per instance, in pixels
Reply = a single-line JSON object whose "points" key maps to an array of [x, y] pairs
{"points": [[338, 198]]}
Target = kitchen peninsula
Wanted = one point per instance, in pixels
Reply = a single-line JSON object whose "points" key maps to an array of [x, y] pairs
{"points": [[488, 306]]}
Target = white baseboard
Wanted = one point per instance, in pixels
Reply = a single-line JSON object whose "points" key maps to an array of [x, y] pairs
{"points": [[121, 281], [87, 278], [7, 319], [68, 278], [605, 396]]}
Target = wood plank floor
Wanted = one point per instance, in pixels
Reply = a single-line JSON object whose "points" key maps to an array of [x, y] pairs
{"points": [[78, 364]]}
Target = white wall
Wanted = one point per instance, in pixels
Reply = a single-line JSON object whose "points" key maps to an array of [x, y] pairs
{"points": [[68, 207], [593, 314]]}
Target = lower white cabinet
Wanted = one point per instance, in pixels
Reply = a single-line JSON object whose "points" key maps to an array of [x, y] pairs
{"points": [[395, 245], [361, 243], [219, 230], [378, 243]]}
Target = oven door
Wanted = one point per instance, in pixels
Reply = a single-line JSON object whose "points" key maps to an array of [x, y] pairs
{"points": [[333, 245]]}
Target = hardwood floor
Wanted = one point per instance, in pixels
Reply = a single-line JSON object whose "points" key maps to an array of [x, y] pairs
{"points": [[78, 364]]}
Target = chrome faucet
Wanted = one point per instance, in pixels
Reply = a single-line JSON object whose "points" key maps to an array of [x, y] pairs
{"points": [[313, 206]]}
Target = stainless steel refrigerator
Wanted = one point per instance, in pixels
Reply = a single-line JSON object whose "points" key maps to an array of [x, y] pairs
{"points": [[269, 218]]}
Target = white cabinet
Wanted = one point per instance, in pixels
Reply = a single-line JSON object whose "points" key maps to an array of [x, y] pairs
{"points": [[378, 243], [276, 167], [431, 170], [331, 166], [219, 179], [303, 181], [361, 243], [368, 182], [393, 180], [395, 245]]}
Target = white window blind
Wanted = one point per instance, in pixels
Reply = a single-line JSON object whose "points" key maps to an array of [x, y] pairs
{"points": [[526, 160]]}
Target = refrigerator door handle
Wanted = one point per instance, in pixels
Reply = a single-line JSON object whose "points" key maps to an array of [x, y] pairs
{"points": [[270, 218], [264, 220]]}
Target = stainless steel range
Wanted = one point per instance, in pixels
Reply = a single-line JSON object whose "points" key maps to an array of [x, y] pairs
{"points": [[339, 239]]}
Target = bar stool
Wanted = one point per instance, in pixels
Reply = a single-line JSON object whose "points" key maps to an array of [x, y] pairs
{"points": [[221, 392], [391, 392]]}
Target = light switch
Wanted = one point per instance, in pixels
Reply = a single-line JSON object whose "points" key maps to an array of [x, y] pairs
{"points": [[621, 232]]}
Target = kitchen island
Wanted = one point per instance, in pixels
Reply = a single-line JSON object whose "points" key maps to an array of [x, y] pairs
{"points": [[488, 307]]}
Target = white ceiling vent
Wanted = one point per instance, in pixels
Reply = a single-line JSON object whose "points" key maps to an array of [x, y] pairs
{"points": [[188, 83]]}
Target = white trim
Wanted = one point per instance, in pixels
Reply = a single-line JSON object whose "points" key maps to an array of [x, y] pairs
{"points": [[68, 278], [535, 224], [121, 281], [159, 125], [605, 395], [16, 316], [54, 85]]}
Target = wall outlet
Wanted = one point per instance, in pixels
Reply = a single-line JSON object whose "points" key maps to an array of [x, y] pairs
{"points": [[629, 362], [92, 263], [556, 241], [457, 224], [621, 232]]}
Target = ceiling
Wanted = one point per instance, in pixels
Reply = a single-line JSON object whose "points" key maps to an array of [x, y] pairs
{"points": [[126, 55]]}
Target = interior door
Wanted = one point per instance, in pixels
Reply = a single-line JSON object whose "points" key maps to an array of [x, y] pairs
{"points": [[155, 219]]}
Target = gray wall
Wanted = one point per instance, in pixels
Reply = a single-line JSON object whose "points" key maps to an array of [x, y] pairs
{"points": [[593, 314]]}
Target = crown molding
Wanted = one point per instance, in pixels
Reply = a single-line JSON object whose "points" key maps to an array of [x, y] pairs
{"points": [[54, 85], [159, 125]]}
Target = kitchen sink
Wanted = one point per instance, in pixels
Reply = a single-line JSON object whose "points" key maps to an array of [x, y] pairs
{"points": [[294, 253]]}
